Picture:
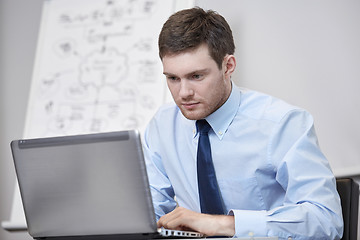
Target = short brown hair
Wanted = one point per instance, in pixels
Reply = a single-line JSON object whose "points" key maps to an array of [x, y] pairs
{"points": [[187, 29]]}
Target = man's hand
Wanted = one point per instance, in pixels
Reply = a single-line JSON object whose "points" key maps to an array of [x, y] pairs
{"points": [[210, 225]]}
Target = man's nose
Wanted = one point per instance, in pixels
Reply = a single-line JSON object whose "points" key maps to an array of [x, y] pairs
{"points": [[186, 89]]}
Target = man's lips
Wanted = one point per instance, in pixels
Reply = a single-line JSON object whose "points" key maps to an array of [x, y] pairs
{"points": [[189, 105]]}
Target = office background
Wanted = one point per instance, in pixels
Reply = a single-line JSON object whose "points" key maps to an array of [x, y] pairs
{"points": [[303, 51]]}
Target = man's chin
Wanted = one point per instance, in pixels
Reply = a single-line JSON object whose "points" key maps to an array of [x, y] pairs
{"points": [[192, 115]]}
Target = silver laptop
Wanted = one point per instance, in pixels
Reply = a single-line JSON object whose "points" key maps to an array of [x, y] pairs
{"points": [[93, 186]]}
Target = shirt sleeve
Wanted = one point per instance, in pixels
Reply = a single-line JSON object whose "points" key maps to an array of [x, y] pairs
{"points": [[160, 185], [311, 207]]}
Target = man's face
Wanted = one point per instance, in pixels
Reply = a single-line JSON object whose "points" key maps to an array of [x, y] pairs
{"points": [[196, 83]]}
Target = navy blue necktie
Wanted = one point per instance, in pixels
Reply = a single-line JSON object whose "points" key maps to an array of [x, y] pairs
{"points": [[210, 199]]}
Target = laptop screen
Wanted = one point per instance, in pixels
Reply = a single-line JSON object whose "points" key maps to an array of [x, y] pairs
{"points": [[84, 185]]}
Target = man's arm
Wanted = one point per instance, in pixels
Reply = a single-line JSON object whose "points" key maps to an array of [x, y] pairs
{"points": [[311, 206], [210, 225], [163, 200]]}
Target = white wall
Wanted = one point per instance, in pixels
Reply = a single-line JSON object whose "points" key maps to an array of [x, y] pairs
{"points": [[19, 23], [303, 51]]}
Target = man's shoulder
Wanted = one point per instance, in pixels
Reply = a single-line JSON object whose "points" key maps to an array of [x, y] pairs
{"points": [[165, 115], [165, 120], [260, 105], [167, 110]]}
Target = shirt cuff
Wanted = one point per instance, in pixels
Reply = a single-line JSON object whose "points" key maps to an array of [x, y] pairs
{"points": [[249, 223]]}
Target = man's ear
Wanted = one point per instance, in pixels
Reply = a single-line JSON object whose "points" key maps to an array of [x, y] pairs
{"points": [[229, 65]]}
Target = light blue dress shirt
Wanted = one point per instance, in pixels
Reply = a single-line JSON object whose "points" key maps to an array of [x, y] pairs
{"points": [[271, 173]]}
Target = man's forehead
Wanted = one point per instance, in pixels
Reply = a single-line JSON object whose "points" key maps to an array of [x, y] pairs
{"points": [[187, 64]]}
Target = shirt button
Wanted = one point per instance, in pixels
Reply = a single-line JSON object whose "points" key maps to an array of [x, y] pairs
{"points": [[220, 133], [251, 234]]}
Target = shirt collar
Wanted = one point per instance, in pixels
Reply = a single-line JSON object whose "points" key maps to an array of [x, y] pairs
{"points": [[220, 119]]}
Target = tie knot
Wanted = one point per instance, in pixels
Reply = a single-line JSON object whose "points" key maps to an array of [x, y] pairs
{"points": [[203, 126]]}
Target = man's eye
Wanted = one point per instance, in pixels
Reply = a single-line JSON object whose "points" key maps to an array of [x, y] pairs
{"points": [[172, 78], [196, 76]]}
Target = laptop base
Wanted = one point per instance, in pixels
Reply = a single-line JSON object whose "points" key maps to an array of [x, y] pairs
{"points": [[136, 236]]}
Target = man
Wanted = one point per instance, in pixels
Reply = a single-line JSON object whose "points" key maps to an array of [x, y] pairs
{"points": [[271, 178]]}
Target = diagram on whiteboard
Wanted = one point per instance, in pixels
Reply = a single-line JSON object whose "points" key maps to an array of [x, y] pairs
{"points": [[97, 67]]}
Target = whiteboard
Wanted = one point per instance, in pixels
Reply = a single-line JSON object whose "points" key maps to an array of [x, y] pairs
{"points": [[97, 69]]}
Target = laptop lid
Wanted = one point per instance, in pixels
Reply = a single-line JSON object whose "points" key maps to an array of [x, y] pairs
{"points": [[92, 184]]}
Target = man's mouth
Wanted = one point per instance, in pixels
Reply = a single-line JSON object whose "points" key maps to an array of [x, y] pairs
{"points": [[190, 106]]}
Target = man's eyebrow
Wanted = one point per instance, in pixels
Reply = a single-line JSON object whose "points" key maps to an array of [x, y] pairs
{"points": [[205, 70], [168, 74]]}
